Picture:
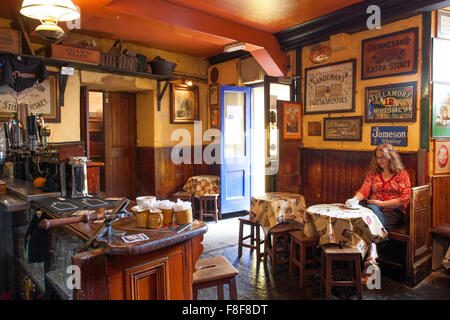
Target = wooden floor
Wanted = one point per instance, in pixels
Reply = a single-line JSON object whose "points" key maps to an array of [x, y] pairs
{"points": [[255, 282]]}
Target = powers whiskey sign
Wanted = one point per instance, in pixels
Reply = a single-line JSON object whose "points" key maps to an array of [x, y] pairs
{"points": [[390, 55]]}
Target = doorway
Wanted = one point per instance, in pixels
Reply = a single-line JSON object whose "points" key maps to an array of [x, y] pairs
{"points": [[109, 131]]}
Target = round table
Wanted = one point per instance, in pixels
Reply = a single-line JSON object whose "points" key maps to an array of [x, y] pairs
{"points": [[336, 224], [273, 208], [203, 184]]}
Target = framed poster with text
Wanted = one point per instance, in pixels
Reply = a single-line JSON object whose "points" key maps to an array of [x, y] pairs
{"points": [[441, 161], [440, 121], [330, 88], [42, 98], [390, 54], [342, 129], [391, 103]]}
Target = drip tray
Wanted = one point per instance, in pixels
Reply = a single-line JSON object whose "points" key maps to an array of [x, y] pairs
{"points": [[56, 205]]}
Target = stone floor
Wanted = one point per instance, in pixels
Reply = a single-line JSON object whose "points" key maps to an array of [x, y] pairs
{"points": [[255, 282]]}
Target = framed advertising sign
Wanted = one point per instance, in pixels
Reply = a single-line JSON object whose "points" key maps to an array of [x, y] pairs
{"points": [[441, 110], [330, 88], [292, 120], [390, 55], [441, 161], [396, 136], [391, 103], [42, 98], [343, 129]]}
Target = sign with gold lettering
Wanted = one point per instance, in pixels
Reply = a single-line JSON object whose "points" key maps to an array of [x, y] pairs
{"points": [[390, 55], [330, 88], [42, 98], [391, 103]]}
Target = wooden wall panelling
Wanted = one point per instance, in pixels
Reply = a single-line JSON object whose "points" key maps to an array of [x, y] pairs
{"points": [[441, 199], [329, 176]]}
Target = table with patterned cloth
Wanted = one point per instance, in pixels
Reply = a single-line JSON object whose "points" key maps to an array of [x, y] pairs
{"points": [[201, 185], [273, 208], [336, 224]]}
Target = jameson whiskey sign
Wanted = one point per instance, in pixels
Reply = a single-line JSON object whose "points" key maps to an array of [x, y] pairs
{"points": [[330, 88], [390, 55], [391, 103], [397, 136]]}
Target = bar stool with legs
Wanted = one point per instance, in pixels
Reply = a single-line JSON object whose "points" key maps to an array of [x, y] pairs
{"points": [[209, 206], [215, 271], [300, 244], [255, 237], [276, 244], [333, 254]]}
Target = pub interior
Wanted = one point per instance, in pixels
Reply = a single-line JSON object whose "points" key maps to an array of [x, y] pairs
{"points": [[191, 150]]}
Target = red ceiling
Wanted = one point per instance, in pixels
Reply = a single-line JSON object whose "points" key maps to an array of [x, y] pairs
{"points": [[197, 27]]}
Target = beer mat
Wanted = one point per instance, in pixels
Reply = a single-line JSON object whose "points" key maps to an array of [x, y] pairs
{"points": [[135, 238]]}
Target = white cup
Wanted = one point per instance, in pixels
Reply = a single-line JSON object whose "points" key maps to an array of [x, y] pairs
{"points": [[145, 201], [352, 203]]}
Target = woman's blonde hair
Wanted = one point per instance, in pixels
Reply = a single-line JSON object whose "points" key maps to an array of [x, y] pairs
{"points": [[390, 154]]}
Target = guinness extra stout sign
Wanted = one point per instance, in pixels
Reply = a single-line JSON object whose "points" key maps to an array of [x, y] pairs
{"points": [[390, 55]]}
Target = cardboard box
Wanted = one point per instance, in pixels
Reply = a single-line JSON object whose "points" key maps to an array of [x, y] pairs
{"points": [[10, 41]]}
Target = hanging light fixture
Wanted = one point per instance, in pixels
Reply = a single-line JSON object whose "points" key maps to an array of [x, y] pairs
{"points": [[50, 12]]}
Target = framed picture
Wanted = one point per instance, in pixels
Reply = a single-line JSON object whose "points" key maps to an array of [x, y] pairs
{"points": [[441, 110], [441, 63], [441, 161], [214, 119], [390, 54], [183, 103], [292, 120], [391, 103], [42, 98], [330, 88], [343, 129], [443, 24], [214, 95]]}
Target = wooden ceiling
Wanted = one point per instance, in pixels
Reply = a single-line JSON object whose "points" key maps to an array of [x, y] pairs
{"points": [[196, 27]]}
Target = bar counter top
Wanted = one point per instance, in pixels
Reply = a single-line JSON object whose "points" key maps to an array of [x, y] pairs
{"points": [[26, 191], [157, 237]]}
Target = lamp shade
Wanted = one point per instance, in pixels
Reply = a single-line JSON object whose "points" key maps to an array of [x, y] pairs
{"points": [[53, 10]]}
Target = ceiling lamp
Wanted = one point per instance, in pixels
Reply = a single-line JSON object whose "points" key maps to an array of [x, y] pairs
{"points": [[236, 46], [50, 12]]}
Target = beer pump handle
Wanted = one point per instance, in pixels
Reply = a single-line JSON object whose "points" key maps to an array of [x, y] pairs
{"points": [[48, 224]]}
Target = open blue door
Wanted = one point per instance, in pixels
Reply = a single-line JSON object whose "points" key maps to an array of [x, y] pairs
{"points": [[235, 154]]}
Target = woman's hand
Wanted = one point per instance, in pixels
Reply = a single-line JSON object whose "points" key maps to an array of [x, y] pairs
{"points": [[376, 202]]}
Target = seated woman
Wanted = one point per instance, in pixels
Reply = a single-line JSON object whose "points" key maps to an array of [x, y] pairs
{"points": [[388, 190]]}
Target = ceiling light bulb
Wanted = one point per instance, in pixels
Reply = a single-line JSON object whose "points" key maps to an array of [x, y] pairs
{"points": [[53, 10], [188, 82]]}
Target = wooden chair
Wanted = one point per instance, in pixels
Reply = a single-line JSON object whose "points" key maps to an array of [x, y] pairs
{"points": [[280, 245], [215, 271], [415, 234], [298, 249], [209, 207], [255, 237], [333, 254]]}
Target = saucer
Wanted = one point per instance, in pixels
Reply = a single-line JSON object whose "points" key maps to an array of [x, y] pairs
{"points": [[353, 208]]}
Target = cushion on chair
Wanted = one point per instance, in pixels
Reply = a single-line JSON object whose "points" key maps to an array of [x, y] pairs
{"points": [[442, 230]]}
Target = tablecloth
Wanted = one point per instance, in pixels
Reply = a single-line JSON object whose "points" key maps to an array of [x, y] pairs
{"points": [[203, 184]]}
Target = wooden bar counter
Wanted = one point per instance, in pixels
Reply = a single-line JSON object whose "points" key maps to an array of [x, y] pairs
{"points": [[154, 269]]}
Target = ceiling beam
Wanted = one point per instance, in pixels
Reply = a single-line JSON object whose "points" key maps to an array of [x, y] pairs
{"points": [[352, 19], [262, 45]]}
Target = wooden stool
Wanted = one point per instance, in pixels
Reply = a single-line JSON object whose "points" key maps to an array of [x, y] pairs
{"points": [[332, 254], [215, 271], [302, 243], [280, 233], [255, 237], [209, 206]]}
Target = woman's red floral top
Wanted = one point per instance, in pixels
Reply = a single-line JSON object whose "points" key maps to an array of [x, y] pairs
{"points": [[398, 186]]}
